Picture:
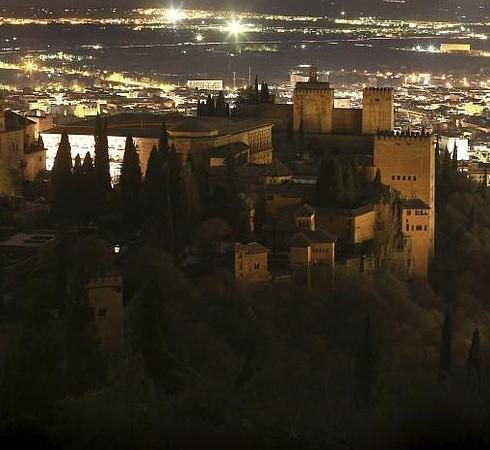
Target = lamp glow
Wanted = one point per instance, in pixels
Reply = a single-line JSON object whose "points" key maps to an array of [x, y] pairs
{"points": [[174, 15]]}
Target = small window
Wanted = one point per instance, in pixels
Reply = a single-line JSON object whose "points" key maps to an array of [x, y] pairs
{"points": [[409, 178], [404, 178], [409, 212], [419, 227], [425, 227], [414, 178], [408, 227], [393, 177], [398, 177], [256, 266]]}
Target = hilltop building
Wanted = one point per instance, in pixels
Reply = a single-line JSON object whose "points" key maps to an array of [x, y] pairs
{"points": [[211, 138], [20, 147]]}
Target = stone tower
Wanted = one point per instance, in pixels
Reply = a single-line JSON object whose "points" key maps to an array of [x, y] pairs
{"points": [[407, 164], [313, 105], [378, 110]]}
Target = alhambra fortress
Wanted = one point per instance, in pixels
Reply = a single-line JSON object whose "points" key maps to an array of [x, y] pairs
{"points": [[388, 226]]}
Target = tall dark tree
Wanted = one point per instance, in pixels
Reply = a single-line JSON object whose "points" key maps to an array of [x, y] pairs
{"points": [[323, 191], [350, 190], [189, 198], [154, 193], [210, 106], [338, 188], [163, 146], [455, 157], [62, 179], [484, 184], [365, 370], [473, 363], [220, 105], [264, 93], [445, 354], [102, 173], [173, 176], [130, 182]]}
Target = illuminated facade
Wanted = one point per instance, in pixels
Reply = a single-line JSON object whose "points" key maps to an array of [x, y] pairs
{"points": [[19, 146]]}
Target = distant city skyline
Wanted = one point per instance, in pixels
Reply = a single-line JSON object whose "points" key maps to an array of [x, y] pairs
{"points": [[435, 8]]}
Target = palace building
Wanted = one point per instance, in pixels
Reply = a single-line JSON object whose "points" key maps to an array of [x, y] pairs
{"points": [[212, 138]]}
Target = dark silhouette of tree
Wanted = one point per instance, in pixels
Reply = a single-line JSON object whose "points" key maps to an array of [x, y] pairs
{"points": [[365, 371], [350, 187], [130, 182], [101, 160], [173, 176], [484, 184], [77, 166], [210, 106], [473, 363], [338, 196], [323, 189], [264, 93], [455, 157], [154, 192], [445, 354], [163, 146], [256, 89], [62, 180], [220, 105], [189, 198]]}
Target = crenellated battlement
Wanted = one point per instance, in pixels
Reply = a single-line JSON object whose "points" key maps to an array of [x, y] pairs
{"points": [[378, 91], [404, 136]]}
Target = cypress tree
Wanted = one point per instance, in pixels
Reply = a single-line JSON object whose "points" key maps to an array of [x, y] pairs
{"points": [[363, 179], [88, 192], [473, 363], [163, 147], [102, 170], [338, 186], [323, 188], [210, 106], [455, 157], [264, 93], [220, 105], [445, 354], [154, 186], [349, 187], [77, 166], [130, 182], [189, 198], [356, 172], [61, 178], [365, 370], [169, 226], [173, 177], [484, 184]]}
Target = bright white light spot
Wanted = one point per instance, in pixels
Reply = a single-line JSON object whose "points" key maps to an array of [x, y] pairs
{"points": [[199, 37], [174, 15], [117, 249], [235, 27]]}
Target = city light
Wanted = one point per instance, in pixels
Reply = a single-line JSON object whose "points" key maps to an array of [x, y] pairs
{"points": [[235, 27], [174, 15], [199, 37]]}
